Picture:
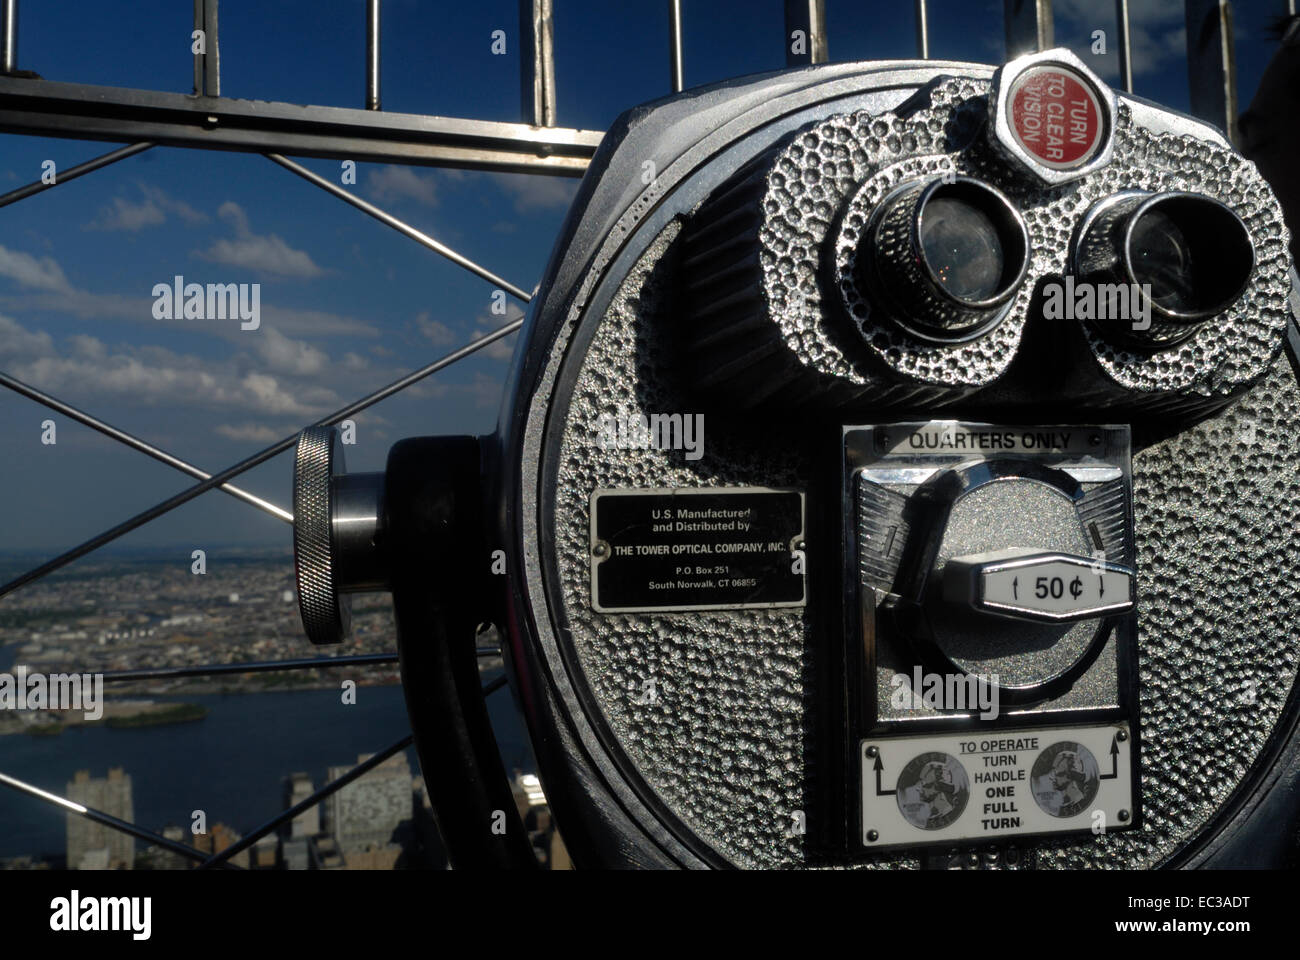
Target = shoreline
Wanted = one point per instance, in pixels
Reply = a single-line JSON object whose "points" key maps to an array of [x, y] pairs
{"points": [[130, 710]]}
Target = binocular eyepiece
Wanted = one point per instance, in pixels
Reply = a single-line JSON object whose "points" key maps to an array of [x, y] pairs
{"points": [[973, 248], [945, 257], [1189, 256]]}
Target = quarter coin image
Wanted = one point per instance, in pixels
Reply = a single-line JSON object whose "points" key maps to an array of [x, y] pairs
{"points": [[932, 790], [1064, 779]]}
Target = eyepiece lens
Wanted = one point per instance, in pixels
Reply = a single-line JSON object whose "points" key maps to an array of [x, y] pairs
{"points": [[1162, 257], [961, 244], [943, 257], [1193, 251]]}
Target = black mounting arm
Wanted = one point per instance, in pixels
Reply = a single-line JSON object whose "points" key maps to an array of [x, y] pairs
{"points": [[432, 530]]}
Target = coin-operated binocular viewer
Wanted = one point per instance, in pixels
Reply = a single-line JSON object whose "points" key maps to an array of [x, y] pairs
{"points": [[898, 467]]}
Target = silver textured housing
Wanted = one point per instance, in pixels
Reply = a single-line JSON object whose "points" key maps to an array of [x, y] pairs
{"points": [[729, 746]]}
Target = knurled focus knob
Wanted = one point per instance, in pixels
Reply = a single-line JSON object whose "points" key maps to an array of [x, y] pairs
{"points": [[337, 532]]}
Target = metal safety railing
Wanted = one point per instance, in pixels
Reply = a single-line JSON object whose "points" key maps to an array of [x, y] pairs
{"points": [[143, 119]]}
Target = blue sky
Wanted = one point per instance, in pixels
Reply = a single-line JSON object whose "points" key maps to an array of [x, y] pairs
{"points": [[348, 304]]}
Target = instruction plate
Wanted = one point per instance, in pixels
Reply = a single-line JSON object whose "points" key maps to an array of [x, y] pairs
{"points": [[985, 785], [697, 549]]}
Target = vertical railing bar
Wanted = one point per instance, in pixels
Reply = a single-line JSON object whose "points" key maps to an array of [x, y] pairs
{"points": [[821, 41], [1125, 45], [528, 106], [922, 31], [8, 36], [675, 74], [808, 19], [198, 57], [212, 58], [1028, 25], [537, 62], [1228, 58], [1212, 64], [372, 55], [546, 61]]}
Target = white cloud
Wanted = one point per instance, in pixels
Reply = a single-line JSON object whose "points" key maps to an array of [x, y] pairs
{"points": [[439, 334], [17, 341], [532, 193], [86, 347], [394, 183], [284, 355], [156, 376], [235, 215], [316, 323], [28, 271], [178, 207], [126, 214], [251, 432], [86, 305], [267, 254]]}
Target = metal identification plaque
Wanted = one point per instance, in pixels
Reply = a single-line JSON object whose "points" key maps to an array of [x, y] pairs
{"points": [[697, 549]]}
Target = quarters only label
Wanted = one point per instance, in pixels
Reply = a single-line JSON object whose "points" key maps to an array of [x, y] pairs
{"points": [[982, 785], [714, 549]]}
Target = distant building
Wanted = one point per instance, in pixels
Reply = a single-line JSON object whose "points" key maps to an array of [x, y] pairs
{"points": [[266, 853], [372, 857], [96, 859], [93, 846], [160, 858], [325, 853], [298, 788], [217, 839], [364, 816], [297, 853]]}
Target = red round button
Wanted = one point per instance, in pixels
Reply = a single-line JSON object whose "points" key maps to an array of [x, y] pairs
{"points": [[1055, 115]]}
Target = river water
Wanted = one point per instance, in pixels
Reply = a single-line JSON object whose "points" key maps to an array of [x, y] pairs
{"points": [[231, 764]]}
